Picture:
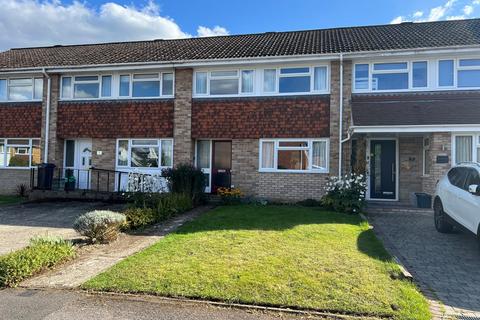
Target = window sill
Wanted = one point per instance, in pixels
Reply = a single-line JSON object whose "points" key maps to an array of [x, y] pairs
{"points": [[203, 96], [16, 168]]}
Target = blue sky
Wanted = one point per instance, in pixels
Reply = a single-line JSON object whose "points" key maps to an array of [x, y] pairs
{"points": [[86, 21]]}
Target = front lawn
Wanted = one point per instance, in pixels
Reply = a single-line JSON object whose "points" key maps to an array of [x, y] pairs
{"points": [[273, 255], [4, 200]]}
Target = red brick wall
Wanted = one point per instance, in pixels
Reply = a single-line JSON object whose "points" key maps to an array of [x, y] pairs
{"points": [[115, 119], [253, 118], [21, 120]]}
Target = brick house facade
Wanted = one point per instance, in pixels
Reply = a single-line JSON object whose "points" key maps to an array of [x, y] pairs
{"points": [[262, 113]]}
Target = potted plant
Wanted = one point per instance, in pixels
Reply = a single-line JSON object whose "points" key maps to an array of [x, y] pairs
{"points": [[69, 180]]}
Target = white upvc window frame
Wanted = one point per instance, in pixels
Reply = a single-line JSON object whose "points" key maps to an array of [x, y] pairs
{"points": [[115, 85], [132, 79], [129, 154], [258, 80], [8, 85], [309, 147], [475, 145], [98, 81], [408, 70], [29, 146], [210, 77]]}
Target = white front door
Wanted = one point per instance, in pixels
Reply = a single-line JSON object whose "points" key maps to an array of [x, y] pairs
{"points": [[203, 158], [78, 157]]}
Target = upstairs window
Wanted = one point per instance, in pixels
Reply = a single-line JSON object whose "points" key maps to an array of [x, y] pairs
{"points": [[391, 76], [21, 89], [146, 85], [294, 80], [270, 81], [86, 87], [468, 74], [224, 82]]}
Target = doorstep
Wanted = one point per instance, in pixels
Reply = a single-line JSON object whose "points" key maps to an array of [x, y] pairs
{"points": [[379, 207]]}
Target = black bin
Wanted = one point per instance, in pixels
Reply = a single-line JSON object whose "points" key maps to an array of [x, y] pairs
{"points": [[424, 200], [45, 176]]}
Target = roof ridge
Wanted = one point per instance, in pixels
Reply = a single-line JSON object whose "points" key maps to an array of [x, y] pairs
{"points": [[241, 35]]}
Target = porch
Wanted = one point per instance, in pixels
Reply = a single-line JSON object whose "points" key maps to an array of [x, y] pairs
{"points": [[400, 165]]}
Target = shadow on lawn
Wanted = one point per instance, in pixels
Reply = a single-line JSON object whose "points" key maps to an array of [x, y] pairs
{"points": [[369, 244]]}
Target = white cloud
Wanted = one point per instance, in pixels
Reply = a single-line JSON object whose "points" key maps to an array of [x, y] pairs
{"points": [[46, 22], [419, 14], [208, 32], [450, 10], [468, 10]]}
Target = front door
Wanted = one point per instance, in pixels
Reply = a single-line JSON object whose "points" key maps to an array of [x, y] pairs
{"points": [[78, 157], [383, 169], [221, 164]]}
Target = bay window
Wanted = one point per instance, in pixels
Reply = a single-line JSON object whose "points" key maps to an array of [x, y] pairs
{"points": [[145, 153], [294, 155], [19, 153], [466, 148], [21, 89]]}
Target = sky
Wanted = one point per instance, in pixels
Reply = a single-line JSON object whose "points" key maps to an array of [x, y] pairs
{"points": [[26, 23]]}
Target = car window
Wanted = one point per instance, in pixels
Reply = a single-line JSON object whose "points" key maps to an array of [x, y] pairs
{"points": [[457, 177], [473, 178]]}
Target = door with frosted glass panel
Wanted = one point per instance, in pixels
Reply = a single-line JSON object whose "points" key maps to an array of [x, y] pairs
{"points": [[203, 156]]}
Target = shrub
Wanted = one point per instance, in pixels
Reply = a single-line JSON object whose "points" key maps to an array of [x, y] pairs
{"points": [[42, 253], [229, 195], [171, 204], [22, 190], [140, 217], [345, 194], [186, 179], [149, 208], [99, 226]]}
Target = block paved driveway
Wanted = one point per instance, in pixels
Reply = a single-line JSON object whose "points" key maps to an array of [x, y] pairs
{"points": [[19, 223], [447, 264]]}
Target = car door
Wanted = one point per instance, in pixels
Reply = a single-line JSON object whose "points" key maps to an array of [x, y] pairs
{"points": [[451, 203], [469, 204]]}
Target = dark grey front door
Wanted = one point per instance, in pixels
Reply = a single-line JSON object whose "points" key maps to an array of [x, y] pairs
{"points": [[383, 164]]}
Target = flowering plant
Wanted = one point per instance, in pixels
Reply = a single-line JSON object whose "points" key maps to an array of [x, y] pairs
{"points": [[229, 195], [345, 194]]}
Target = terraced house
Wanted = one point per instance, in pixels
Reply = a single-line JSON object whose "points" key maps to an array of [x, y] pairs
{"points": [[273, 114]]}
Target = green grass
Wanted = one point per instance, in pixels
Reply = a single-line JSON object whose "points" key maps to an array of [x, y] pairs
{"points": [[274, 255], [4, 200]]}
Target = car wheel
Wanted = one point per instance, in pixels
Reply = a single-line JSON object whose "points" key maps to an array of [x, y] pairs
{"points": [[441, 223]]}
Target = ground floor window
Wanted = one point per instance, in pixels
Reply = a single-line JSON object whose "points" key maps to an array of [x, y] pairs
{"points": [[466, 148], [144, 153], [19, 152], [294, 155]]}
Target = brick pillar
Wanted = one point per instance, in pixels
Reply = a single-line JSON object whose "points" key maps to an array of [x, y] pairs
{"points": [[335, 113], [440, 145], [183, 148], [55, 145]]}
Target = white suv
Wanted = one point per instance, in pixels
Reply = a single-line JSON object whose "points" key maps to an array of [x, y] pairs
{"points": [[457, 199]]}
